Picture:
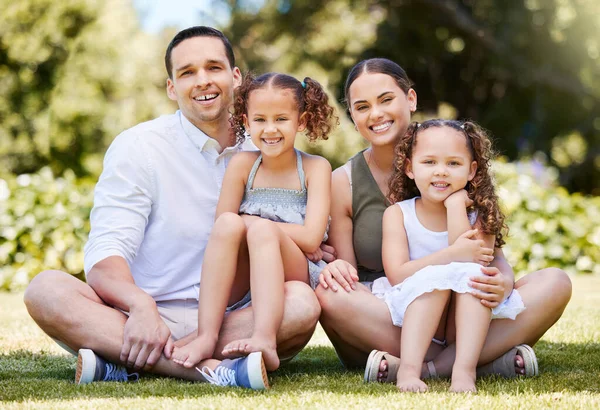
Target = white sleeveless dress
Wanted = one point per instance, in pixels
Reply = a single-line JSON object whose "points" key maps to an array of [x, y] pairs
{"points": [[454, 276]]}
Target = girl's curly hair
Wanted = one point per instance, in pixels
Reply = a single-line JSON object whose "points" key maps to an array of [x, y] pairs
{"points": [[310, 97], [480, 188]]}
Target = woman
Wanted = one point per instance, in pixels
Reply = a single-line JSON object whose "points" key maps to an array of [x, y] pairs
{"points": [[380, 100]]}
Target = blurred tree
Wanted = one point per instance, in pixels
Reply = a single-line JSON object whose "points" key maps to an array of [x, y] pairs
{"points": [[529, 70], [73, 74]]}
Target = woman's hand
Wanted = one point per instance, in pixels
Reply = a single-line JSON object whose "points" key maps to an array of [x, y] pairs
{"points": [[467, 248], [339, 273], [491, 287]]}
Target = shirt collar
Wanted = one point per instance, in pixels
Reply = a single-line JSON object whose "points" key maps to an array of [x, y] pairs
{"points": [[202, 141]]}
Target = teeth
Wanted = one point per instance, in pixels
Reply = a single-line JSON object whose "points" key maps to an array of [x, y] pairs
{"points": [[440, 185], [271, 141], [381, 127], [205, 97]]}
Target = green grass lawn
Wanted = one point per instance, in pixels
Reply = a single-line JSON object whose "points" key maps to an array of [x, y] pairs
{"points": [[36, 373]]}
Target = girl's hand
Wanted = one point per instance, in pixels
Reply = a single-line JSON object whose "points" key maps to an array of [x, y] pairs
{"points": [[491, 287], [339, 273], [458, 198], [329, 253], [316, 256], [469, 249]]}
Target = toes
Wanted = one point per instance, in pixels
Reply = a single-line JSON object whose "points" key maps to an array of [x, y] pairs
{"points": [[383, 366]]}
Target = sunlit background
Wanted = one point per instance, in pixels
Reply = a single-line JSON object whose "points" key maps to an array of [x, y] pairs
{"points": [[75, 73]]}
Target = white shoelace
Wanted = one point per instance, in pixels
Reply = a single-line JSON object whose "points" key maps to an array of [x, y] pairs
{"points": [[118, 373], [221, 376]]}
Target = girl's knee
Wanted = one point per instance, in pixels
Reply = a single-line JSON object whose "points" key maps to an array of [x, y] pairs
{"points": [[228, 224], [262, 231]]}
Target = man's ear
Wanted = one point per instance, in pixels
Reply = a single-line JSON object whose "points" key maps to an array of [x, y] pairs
{"points": [[408, 169], [171, 90], [237, 77], [302, 122], [473, 170]]}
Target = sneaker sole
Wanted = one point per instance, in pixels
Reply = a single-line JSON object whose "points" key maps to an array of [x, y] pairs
{"points": [[257, 373], [86, 366]]}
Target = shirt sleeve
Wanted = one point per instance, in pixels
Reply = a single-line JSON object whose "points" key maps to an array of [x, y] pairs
{"points": [[122, 202]]}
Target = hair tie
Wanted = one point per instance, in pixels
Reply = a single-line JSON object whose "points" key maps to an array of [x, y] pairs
{"points": [[303, 84], [462, 125]]}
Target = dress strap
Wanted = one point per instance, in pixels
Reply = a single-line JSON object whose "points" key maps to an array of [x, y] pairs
{"points": [[300, 170], [253, 172]]}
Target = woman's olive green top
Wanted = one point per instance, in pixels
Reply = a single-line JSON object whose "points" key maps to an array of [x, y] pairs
{"points": [[368, 205]]}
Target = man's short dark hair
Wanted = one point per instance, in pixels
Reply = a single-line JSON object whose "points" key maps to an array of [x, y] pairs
{"points": [[197, 31]]}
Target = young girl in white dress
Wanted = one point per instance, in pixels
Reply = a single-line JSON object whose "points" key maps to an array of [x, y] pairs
{"points": [[443, 226], [273, 210]]}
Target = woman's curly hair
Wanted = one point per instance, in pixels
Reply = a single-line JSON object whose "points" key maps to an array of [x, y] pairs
{"points": [[310, 97], [480, 188]]}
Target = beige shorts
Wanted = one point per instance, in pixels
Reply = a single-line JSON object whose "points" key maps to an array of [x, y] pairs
{"points": [[181, 316]]}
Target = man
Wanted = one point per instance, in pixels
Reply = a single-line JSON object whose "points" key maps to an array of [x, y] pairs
{"points": [[153, 211]]}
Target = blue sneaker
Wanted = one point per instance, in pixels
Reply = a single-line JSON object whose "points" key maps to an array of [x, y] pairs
{"points": [[93, 368], [246, 372]]}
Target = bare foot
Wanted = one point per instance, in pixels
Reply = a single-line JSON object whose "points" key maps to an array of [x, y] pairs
{"points": [[463, 382], [244, 347], [194, 352], [382, 374], [519, 365], [408, 380]]}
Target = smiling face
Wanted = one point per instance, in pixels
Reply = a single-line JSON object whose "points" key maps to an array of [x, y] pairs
{"points": [[379, 108], [441, 163], [273, 120], [203, 81]]}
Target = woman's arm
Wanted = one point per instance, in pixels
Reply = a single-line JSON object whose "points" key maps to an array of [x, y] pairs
{"points": [[496, 283], [234, 182], [309, 236], [342, 271]]}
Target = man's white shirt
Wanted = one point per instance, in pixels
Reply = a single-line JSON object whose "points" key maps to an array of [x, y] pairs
{"points": [[155, 203]]}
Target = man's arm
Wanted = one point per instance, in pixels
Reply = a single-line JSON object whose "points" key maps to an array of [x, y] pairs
{"points": [[122, 206]]}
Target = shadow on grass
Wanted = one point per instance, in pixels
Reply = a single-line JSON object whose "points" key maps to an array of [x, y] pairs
{"points": [[28, 376]]}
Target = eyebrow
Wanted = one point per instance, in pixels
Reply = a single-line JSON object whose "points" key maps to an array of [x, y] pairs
{"points": [[208, 62], [378, 97]]}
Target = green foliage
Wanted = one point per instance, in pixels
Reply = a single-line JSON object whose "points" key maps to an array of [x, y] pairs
{"points": [[529, 70], [44, 223], [547, 226], [73, 74]]}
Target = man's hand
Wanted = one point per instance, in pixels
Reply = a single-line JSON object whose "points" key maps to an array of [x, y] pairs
{"points": [[469, 249], [491, 287], [145, 338], [339, 273]]}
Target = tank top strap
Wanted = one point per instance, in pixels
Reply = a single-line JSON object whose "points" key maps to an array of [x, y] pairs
{"points": [[300, 170], [253, 172]]}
